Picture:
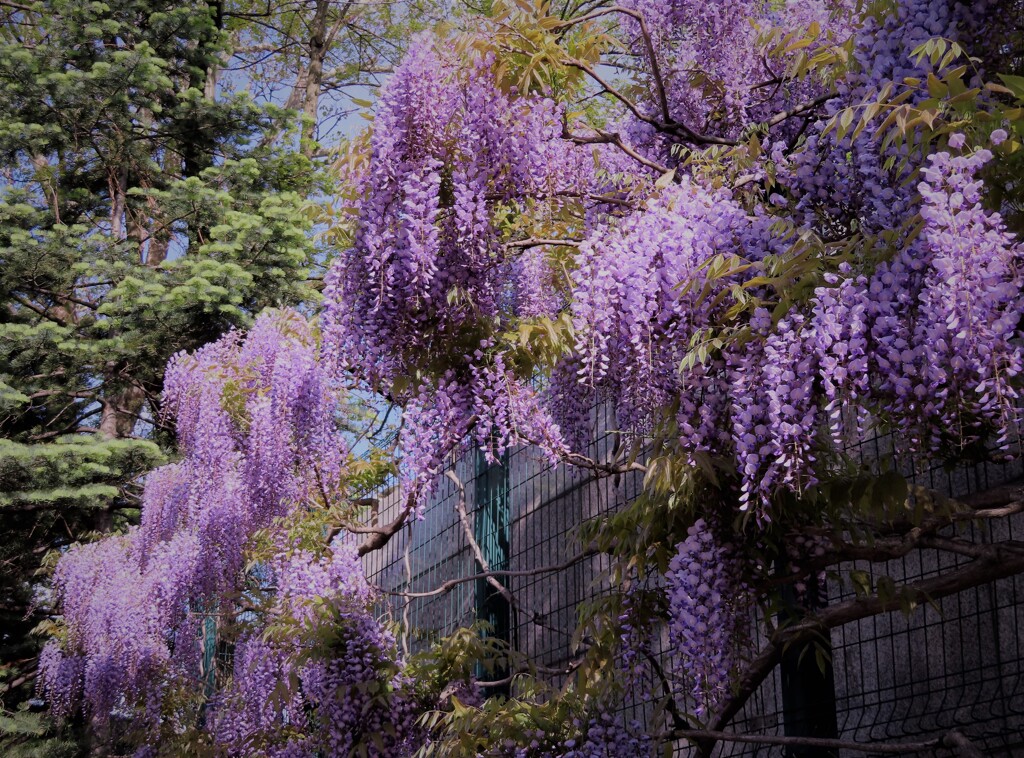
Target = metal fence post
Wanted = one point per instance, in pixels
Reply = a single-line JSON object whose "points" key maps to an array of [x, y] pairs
{"points": [[808, 681]]}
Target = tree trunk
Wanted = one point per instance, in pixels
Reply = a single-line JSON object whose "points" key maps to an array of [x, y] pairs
{"points": [[149, 224], [118, 198], [210, 85], [121, 412], [318, 44]]}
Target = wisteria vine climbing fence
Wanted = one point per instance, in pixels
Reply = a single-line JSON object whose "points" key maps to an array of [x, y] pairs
{"points": [[956, 663]]}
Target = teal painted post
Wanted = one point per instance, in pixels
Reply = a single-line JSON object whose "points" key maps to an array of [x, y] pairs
{"points": [[491, 521]]}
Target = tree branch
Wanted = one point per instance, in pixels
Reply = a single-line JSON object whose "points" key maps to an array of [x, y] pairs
{"points": [[547, 670], [898, 538], [536, 242], [611, 138], [582, 461], [995, 561], [16, 6], [680, 130], [451, 584], [648, 45], [474, 546], [796, 110], [377, 537]]}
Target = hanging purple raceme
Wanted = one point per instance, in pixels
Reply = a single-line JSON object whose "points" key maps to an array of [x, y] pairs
{"points": [[537, 290], [427, 270], [571, 402], [930, 340], [789, 375], [970, 307], [347, 689], [708, 603], [495, 409], [510, 413], [636, 297], [436, 421], [749, 416], [608, 734], [427, 262], [840, 336], [256, 420], [926, 344]]}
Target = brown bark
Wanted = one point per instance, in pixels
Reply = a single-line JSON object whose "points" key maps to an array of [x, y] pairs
{"points": [[149, 227], [954, 740], [305, 94], [314, 75], [118, 181], [47, 184], [120, 412]]}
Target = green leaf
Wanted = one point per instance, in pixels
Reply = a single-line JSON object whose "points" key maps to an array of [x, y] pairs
{"points": [[1015, 84]]}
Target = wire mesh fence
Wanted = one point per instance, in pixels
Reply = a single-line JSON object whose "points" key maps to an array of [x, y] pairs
{"points": [[896, 677]]}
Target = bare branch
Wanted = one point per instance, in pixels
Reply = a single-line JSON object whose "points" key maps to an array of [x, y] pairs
{"points": [[612, 138], [994, 498], [16, 6], [451, 584], [659, 81], [961, 746], [680, 130], [582, 461], [537, 242], [797, 110], [895, 540], [608, 199], [377, 537], [44, 312], [505, 592], [474, 546], [547, 670]]}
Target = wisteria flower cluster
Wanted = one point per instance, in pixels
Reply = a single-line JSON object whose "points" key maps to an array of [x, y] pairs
{"points": [[256, 420], [632, 316], [428, 274], [427, 266], [708, 603], [715, 74], [349, 690], [605, 733], [931, 335], [926, 343], [608, 734], [493, 408], [852, 178]]}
